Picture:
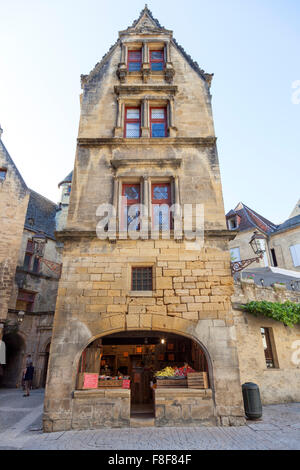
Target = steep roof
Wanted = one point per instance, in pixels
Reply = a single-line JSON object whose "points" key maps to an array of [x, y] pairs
{"points": [[67, 179], [289, 224], [296, 210], [249, 219], [6, 160], [146, 23], [40, 216]]}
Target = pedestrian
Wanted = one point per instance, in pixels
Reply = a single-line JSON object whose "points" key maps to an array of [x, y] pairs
{"points": [[28, 375]]}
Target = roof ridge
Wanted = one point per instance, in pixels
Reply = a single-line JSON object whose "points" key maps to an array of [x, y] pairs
{"points": [[44, 197], [261, 217]]}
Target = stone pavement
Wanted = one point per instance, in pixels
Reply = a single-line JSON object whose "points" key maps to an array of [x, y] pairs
{"points": [[21, 428]]}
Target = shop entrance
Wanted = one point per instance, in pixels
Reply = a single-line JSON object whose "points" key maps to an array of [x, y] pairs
{"points": [[137, 356]]}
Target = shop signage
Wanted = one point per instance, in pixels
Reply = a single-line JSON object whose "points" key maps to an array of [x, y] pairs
{"points": [[90, 381], [126, 384]]}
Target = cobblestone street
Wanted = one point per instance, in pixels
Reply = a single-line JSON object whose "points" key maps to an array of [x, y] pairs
{"points": [[21, 428]]}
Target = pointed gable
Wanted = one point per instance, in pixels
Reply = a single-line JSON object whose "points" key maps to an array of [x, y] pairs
{"points": [[248, 219]]}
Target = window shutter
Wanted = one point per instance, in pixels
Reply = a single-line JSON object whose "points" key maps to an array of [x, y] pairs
{"points": [[295, 252]]}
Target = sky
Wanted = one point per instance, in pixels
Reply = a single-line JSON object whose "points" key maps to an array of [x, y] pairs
{"points": [[251, 46]]}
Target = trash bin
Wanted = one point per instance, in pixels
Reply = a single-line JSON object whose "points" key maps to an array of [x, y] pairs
{"points": [[252, 401]]}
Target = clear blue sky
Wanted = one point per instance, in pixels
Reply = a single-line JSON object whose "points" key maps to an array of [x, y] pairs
{"points": [[252, 47]]}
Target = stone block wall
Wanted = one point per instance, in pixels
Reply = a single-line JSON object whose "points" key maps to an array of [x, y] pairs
{"points": [[184, 407], [282, 383]]}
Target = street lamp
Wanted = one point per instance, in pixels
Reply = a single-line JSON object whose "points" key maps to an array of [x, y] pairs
{"points": [[257, 243], [21, 315]]}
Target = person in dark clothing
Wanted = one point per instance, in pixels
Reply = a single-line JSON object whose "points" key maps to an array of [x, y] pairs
{"points": [[28, 379]]}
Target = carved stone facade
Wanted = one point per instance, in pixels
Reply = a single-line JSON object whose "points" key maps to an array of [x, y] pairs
{"points": [[191, 286]]}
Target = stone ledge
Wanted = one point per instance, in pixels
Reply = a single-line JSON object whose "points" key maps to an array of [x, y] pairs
{"points": [[102, 393]]}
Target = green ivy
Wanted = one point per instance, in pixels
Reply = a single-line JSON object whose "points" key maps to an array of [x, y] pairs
{"points": [[287, 312]]}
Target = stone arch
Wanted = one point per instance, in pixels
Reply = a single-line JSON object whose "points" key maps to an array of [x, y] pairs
{"points": [[164, 324], [15, 343]]}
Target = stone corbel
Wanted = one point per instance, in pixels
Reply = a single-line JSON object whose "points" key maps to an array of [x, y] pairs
{"points": [[122, 67], [169, 69]]}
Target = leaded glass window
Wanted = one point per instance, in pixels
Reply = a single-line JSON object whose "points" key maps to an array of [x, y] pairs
{"points": [[132, 123], [134, 61], [157, 60], [158, 118]]}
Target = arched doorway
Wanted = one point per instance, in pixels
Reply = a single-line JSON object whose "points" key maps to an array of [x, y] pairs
{"points": [[137, 356], [12, 370]]}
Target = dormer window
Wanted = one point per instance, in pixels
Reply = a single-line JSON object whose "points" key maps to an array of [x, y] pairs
{"points": [[132, 128], [134, 60], [157, 60], [232, 223]]}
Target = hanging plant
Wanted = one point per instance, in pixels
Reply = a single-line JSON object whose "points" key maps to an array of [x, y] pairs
{"points": [[288, 312]]}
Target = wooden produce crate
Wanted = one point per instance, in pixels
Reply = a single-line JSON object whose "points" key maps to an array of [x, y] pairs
{"points": [[197, 380], [170, 382], [110, 383]]}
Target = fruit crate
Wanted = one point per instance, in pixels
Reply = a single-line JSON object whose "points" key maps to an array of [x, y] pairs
{"points": [[171, 382], [110, 383], [197, 380]]}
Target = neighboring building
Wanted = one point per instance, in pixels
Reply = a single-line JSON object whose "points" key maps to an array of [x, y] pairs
{"points": [[282, 242], [33, 292], [146, 133], [13, 205]]}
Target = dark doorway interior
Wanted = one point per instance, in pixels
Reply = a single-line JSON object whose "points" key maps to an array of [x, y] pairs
{"points": [[12, 370]]}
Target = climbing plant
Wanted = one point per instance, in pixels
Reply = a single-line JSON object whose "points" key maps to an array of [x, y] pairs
{"points": [[287, 312]]}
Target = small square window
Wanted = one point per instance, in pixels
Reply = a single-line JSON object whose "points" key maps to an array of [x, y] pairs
{"points": [[142, 279]]}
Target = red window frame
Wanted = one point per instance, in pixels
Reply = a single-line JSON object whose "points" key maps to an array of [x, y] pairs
{"points": [[157, 61], [132, 121], [129, 202], [159, 121], [130, 60], [158, 202]]}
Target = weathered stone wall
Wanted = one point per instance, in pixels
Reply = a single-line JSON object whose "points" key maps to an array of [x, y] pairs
{"points": [[192, 288], [191, 297], [13, 205], [184, 407], [281, 384], [92, 409]]}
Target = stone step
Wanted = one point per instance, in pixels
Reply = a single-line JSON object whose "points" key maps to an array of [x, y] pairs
{"points": [[140, 421]]}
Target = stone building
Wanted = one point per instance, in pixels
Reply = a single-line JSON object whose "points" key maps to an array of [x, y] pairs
{"points": [[282, 242], [146, 135], [14, 197], [32, 289]]}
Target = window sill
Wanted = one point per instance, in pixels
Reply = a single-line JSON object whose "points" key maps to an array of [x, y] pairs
{"points": [[140, 293]]}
